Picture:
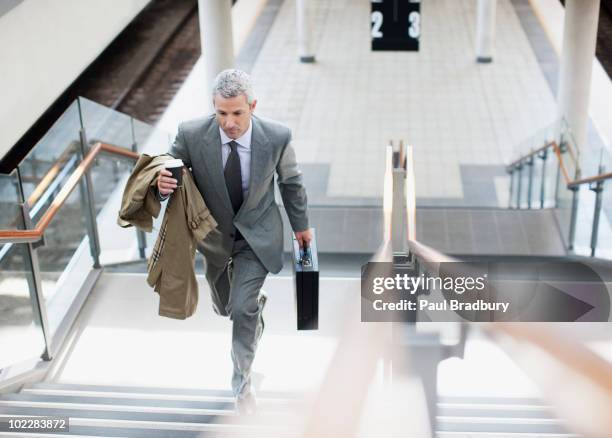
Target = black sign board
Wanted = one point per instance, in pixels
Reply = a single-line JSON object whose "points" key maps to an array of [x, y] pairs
{"points": [[396, 25]]}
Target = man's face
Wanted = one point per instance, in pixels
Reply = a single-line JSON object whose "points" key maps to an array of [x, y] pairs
{"points": [[233, 114]]}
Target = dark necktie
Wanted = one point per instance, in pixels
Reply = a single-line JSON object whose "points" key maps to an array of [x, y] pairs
{"points": [[233, 177]]}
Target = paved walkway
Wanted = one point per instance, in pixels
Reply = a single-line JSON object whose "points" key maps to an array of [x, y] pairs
{"points": [[464, 119]]}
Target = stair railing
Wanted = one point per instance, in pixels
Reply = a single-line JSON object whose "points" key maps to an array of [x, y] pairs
{"points": [[41, 209], [568, 178]]}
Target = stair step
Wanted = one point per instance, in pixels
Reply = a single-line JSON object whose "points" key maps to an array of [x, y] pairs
{"points": [[505, 435], [500, 425], [106, 413], [486, 400], [126, 401], [155, 429], [132, 413], [494, 410], [150, 392], [57, 435], [111, 407]]}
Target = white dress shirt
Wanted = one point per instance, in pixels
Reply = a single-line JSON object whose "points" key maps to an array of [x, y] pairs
{"points": [[244, 152]]}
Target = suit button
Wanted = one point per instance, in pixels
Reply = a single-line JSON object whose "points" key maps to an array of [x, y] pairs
{"points": [[232, 235]]}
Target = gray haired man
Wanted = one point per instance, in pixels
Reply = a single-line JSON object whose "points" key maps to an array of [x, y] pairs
{"points": [[234, 155]]}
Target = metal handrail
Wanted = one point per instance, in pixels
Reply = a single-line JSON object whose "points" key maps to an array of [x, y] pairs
{"points": [[571, 183], [35, 234], [589, 180], [429, 257], [49, 176], [533, 153], [563, 366], [570, 359]]}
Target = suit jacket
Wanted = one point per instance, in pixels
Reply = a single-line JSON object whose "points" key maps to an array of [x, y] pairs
{"points": [[198, 144], [186, 221]]}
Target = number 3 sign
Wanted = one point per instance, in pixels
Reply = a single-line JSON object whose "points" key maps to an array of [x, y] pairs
{"points": [[396, 24]]}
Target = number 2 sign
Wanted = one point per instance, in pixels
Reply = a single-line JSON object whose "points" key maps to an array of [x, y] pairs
{"points": [[396, 24]]}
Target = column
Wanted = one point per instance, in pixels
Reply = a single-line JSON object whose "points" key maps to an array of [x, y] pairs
{"points": [[216, 39], [577, 55], [485, 30], [304, 31]]}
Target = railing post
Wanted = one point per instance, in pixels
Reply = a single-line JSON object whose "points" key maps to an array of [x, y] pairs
{"points": [[562, 149], [87, 197], [598, 189], [574, 214], [140, 235], [398, 216], [529, 181], [519, 185], [39, 309], [543, 155], [511, 187]]}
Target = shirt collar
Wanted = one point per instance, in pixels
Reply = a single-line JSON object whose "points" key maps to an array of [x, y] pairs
{"points": [[244, 140]]}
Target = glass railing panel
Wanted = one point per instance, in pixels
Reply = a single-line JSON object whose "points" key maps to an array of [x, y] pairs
{"points": [[151, 140], [549, 167], [51, 154], [105, 124], [601, 165], [568, 170], [10, 216], [21, 336], [544, 169], [65, 259], [604, 240], [118, 244], [584, 221], [604, 243]]}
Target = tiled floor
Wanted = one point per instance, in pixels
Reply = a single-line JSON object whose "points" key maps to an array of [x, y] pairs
{"points": [[344, 108], [455, 112]]}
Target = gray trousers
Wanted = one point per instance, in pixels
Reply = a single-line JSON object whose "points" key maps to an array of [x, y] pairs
{"points": [[235, 290]]}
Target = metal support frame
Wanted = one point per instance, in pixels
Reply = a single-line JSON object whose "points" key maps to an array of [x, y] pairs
{"points": [[598, 189], [511, 188], [419, 354], [573, 218], [529, 181], [398, 214], [562, 150], [88, 204], [87, 197], [519, 184], [543, 156], [39, 310], [574, 212]]}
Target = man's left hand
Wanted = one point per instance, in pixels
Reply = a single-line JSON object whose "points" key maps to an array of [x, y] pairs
{"points": [[303, 237]]}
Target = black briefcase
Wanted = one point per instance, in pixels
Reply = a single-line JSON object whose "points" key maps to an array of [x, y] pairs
{"points": [[306, 281]]}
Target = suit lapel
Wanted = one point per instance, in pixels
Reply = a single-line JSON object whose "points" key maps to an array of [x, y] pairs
{"points": [[211, 156], [260, 154]]}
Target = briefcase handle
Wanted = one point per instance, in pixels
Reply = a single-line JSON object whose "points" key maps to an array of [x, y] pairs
{"points": [[306, 255]]}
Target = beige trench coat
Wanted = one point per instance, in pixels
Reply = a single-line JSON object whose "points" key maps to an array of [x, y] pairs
{"points": [[187, 220]]}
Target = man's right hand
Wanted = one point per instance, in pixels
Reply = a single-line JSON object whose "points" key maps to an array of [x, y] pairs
{"points": [[165, 183]]}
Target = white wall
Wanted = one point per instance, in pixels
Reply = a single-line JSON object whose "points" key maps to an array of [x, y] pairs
{"points": [[44, 46]]}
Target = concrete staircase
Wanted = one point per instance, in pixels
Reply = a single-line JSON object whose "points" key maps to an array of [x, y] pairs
{"points": [[130, 411]]}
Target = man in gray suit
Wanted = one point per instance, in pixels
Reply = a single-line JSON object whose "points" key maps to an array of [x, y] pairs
{"points": [[233, 156]]}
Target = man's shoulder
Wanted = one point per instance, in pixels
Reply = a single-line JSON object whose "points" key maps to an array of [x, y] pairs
{"points": [[273, 128], [189, 126]]}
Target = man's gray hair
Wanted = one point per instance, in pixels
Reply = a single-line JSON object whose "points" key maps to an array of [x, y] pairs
{"points": [[233, 82]]}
